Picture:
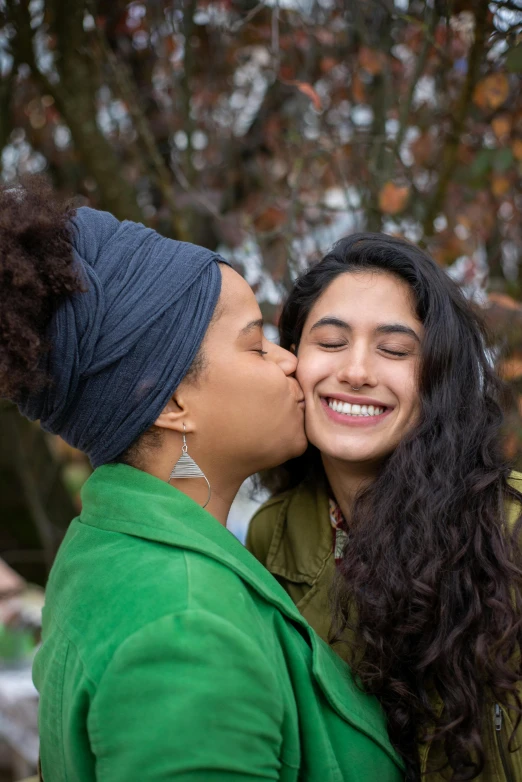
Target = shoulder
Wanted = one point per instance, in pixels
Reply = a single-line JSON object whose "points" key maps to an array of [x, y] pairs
{"points": [[264, 523], [515, 480]]}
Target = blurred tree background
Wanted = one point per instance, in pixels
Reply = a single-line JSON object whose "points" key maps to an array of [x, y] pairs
{"points": [[267, 130]]}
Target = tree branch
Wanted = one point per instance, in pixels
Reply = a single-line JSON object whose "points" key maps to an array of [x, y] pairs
{"points": [[122, 79], [450, 150], [420, 65]]}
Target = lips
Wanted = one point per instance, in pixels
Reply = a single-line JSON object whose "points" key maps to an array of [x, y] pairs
{"points": [[360, 413], [355, 400]]}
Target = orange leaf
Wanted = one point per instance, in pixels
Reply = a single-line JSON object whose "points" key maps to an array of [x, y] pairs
{"points": [[393, 198], [516, 148], [510, 446], [500, 184], [327, 63], [503, 300], [270, 219], [308, 90], [422, 148], [491, 92], [371, 60], [359, 90], [512, 368], [502, 125]]}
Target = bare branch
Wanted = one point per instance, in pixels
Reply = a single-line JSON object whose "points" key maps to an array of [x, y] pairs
{"points": [[123, 82], [450, 150], [420, 65]]}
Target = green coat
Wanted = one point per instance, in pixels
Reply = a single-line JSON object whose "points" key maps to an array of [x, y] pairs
{"points": [[291, 535], [169, 653]]}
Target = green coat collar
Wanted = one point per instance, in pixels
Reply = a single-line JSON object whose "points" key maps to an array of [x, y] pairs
{"points": [[118, 498], [122, 499]]}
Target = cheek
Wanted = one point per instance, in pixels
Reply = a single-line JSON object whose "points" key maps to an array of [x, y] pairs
{"points": [[264, 383], [406, 389], [311, 370]]}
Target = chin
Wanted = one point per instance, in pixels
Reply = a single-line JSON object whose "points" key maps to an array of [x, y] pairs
{"points": [[352, 455], [299, 451]]}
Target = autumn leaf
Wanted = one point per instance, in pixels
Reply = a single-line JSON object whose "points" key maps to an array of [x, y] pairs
{"points": [[270, 219], [510, 446], [491, 92], [358, 89], [512, 368], [393, 198], [371, 60], [327, 63], [502, 125], [422, 148], [516, 148], [307, 89], [503, 300], [500, 184]]}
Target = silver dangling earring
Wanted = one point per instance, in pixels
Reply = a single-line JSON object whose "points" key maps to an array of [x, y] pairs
{"points": [[186, 467]]}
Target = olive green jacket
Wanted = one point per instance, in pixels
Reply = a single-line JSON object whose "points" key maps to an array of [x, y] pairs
{"points": [[291, 535], [169, 653]]}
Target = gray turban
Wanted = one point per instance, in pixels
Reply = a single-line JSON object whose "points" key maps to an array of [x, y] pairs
{"points": [[120, 349]]}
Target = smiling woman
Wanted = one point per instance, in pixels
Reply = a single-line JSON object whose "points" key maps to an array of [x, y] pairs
{"points": [[359, 374], [403, 510]]}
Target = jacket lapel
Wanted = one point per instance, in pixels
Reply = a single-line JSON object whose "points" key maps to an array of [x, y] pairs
{"points": [[302, 540]]}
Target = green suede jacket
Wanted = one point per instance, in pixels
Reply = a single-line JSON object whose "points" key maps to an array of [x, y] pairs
{"points": [[169, 653], [291, 535]]}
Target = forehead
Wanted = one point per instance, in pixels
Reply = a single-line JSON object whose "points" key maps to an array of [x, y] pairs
{"points": [[370, 296], [236, 300]]}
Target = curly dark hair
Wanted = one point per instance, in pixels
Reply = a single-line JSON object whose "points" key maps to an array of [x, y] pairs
{"points": [[430, 582], [36, 273]]}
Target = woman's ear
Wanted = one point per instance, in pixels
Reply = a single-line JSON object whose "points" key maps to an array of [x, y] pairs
{"points": [[175, 416]]}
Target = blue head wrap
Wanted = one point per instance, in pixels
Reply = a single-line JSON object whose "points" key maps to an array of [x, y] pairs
{"points": [[120, 349]]}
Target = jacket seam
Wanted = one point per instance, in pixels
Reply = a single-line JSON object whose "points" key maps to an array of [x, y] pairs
{"points": [[69, 643], [277, 536], [75, 647], [297, 577]]}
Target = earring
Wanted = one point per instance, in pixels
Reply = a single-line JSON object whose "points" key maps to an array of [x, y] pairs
{"points": [[186, 467]]}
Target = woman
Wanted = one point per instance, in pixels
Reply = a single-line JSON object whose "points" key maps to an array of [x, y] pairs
{"points": [[168, 652], [403, 506]]}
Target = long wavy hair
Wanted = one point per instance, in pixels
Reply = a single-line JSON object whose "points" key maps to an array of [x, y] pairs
{"points": [[430, 583]]}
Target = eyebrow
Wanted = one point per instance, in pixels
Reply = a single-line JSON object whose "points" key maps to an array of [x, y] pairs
{"points": [[252, 326], [384, 328]]}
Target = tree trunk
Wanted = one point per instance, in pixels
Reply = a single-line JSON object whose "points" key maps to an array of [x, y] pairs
{"points": [[36, 507]]}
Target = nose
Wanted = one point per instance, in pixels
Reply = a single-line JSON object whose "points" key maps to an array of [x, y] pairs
{"points": [[283, 358], [356, 370]]}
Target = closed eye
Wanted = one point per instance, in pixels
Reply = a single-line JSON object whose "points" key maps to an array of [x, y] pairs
{"points": [[398, 353], [332, 344]]}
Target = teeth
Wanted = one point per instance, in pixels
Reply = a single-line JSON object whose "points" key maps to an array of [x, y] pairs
{"points": [[357, 410]]}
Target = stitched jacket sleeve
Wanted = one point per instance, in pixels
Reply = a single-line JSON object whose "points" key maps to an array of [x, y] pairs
{"points": [[187, 697]]}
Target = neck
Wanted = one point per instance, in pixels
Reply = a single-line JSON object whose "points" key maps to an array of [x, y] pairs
{"points": [[222, 491], [347, 479], [221, 496]]}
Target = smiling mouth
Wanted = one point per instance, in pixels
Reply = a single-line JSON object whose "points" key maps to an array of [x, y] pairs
{"points": [[354, 410]]}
